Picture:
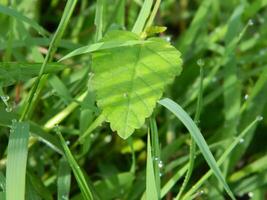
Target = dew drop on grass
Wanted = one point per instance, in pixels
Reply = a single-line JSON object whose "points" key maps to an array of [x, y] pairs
{"points": [[107, 139], [8, 108], [160, 174], [250, 194], [64, 197], [160, 164], [168, 38], [246, 97], [241, 140], [260, 118], [5, 98], [67, 143], [200, 62], [156, 158], [250, 22]]}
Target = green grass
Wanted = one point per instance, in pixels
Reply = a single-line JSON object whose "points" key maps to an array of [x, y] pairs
{"points": [[133, 99]]}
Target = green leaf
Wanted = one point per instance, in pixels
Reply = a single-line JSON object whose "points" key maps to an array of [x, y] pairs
{"points": [[12, 72], [129, 80], [17, 152], [198, 138]]}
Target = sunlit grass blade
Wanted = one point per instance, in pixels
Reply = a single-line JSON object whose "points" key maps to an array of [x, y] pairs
{"points": [[143, 16], [151, 185], [101, 46], [223, 157], [84, 187], [157, 162], [13, 13], [254, 167], [198, 138], [17, 153], [99, 19], [64, 180]]}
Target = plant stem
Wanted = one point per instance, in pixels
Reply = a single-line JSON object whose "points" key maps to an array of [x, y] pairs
{"points": [[49, 56]]}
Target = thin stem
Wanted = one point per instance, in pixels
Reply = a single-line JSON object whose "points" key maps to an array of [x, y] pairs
{"points": [[49, 56], [193, 144]]}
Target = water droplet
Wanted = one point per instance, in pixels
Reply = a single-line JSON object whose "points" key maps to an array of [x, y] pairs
{"points": [[125, 95], [241, 140], [107, 139], [160, 164], [64, 197], [92, 136], [259, 118], [250, 22], [250, 194], [214, 79], [5, 98], [246, 97], [201, 192], [156, 158], [160, 174], [9, 109], [200, 62], [67, 142], [168, 38]]}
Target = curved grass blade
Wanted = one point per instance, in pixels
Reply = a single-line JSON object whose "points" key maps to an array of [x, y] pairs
{"points": [[13, 13], [223, 157], [102, 46], [17, 153], [199, 139]]}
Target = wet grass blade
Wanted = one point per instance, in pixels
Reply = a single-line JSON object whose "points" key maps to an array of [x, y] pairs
{"points": [[17, 153], [198, 138], [84, 187], [151, 185], [223, 157], [64, 180]]}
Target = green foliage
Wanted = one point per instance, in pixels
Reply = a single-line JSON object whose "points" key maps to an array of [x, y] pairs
{"points": [[76, 65], [130, 82]]}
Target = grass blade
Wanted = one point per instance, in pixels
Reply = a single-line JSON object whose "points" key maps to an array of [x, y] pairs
{"points": [[17, 153], [151, 186], [223, 157], [13, 13], [86, 191], [142, 17], [64, 180], [197, 136]]}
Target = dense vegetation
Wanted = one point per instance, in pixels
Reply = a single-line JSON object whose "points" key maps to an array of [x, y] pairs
{"points": [[96, 99]]}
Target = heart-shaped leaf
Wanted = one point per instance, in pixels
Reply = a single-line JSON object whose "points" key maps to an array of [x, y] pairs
{"points": [[129, 80]]}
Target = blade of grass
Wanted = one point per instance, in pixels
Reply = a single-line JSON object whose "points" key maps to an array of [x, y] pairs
{"points": [[49, 56], [197, 136], [99, 19], [13, 13], [101, 46], [64, 180], [142, 17], [157, 162], [223, 157], [193, 144], [17, 153], [151, 185], [84, 187]]}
